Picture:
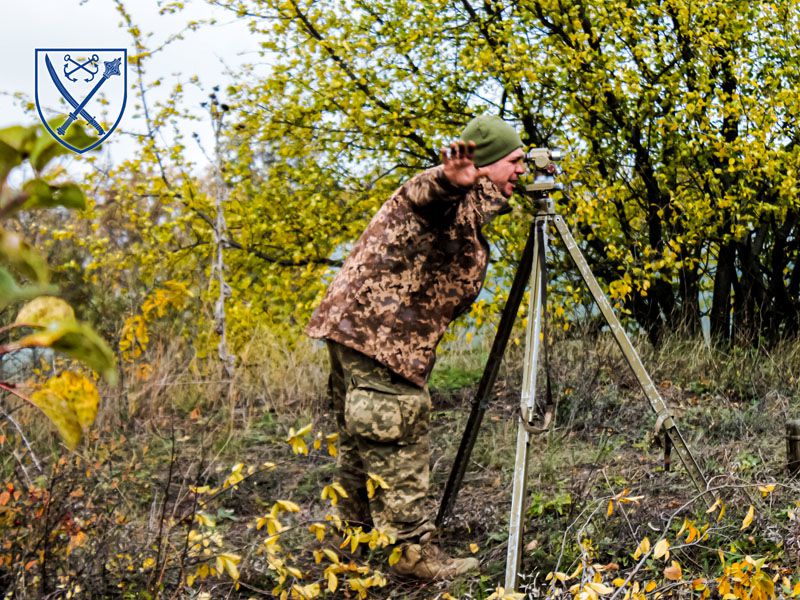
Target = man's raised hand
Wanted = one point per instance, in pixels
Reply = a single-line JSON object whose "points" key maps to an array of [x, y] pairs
{"points": [[458, 166]]}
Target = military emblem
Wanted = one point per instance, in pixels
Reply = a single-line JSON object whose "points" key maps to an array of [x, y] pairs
{"points": [[81, 85]]}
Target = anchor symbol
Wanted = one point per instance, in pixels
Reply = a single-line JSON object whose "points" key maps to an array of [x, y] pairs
{"points": [[81, 67]]}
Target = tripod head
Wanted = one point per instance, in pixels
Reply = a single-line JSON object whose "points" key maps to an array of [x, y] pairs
{"points": [[542, 165]]}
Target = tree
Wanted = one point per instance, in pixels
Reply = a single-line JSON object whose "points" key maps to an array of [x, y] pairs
{"points": [[678, 120]]}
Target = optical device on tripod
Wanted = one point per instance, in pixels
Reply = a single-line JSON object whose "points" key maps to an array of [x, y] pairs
{"points": [[531, 273]]}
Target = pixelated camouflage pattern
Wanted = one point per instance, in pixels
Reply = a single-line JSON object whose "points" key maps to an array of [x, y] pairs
{"points": [[383, 424], [419, 264]]}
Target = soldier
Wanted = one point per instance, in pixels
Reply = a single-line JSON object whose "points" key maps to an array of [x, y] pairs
{"points": [[420, 263]]}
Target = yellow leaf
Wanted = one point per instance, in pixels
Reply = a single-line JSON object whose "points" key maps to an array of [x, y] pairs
{"points": [[333, 581], [318, 529], [226, 563], [649, 587], [44, 310], [61, 414], [331, 441], [204, 519], [339, 489], [333, 491], [473, 548], [378, 481], [714, 506], [683, 527], [642, 548], [748, 518], [661, 549], [287, 505], [600, 588], [295, 572], [673, 572], [394, 557], [148, 562], [610, 510], [305, 430], [766, 490], [370, 489]]}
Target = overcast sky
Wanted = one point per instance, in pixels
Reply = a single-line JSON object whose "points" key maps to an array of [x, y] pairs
{"points": [[209, 53]]}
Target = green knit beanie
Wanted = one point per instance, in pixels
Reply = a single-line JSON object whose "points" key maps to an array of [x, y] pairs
{"points": [[493, 137]]}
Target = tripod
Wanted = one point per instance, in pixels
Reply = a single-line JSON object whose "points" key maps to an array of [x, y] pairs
{"points": [[532, 267]]}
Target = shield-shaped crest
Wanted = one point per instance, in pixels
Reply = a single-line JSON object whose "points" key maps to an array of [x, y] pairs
{"points": [[79, 85]]}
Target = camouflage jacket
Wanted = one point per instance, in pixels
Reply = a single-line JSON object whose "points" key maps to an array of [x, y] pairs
{"points": [[419, 264]]}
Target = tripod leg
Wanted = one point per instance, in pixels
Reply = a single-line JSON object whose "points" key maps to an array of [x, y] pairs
{"points": [[527, 404], [632, 357], [481, 400]]}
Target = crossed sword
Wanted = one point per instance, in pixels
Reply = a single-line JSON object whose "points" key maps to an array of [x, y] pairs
{"points": [[112, 68]]}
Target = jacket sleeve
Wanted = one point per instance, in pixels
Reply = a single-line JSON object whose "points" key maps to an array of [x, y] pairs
{"points": [[431, 187]]}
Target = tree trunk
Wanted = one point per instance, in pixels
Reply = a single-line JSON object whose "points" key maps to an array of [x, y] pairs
{"points": [[721, 301], [688, 315]]}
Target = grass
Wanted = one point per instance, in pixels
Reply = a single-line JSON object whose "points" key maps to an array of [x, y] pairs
{"points": [[185, 425]]}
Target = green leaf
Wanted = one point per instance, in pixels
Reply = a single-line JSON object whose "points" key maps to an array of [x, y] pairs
{"points": [[76, 134], [19, 138], [9, 158], [16, 252], [44, 149], [44, 195], [76, 340], [11, 291], [15, 142]]}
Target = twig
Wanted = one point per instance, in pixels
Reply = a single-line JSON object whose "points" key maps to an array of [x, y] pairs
{"points": [[620, 505], [167, 485], [11, 419]]}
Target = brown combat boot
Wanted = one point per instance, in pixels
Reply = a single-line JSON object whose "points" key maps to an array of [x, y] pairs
{"points": [[428, 561]]}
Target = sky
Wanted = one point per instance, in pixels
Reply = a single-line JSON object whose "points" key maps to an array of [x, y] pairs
{"points": [[214, 53]]}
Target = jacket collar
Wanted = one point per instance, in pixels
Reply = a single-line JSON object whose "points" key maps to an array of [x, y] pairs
{"points": [[489, 201]]}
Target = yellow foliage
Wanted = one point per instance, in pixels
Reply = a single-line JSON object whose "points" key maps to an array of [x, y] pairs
{"points": [[296, 439], [642, 548], [70, 401], [333, 491], [375, 482], [748, 519], [661, 549]]}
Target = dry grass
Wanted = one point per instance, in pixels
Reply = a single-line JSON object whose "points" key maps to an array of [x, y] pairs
{"points": [[730, 405]]}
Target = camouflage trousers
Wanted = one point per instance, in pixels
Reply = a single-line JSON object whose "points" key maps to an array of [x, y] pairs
{"points": [[383, 423]]}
